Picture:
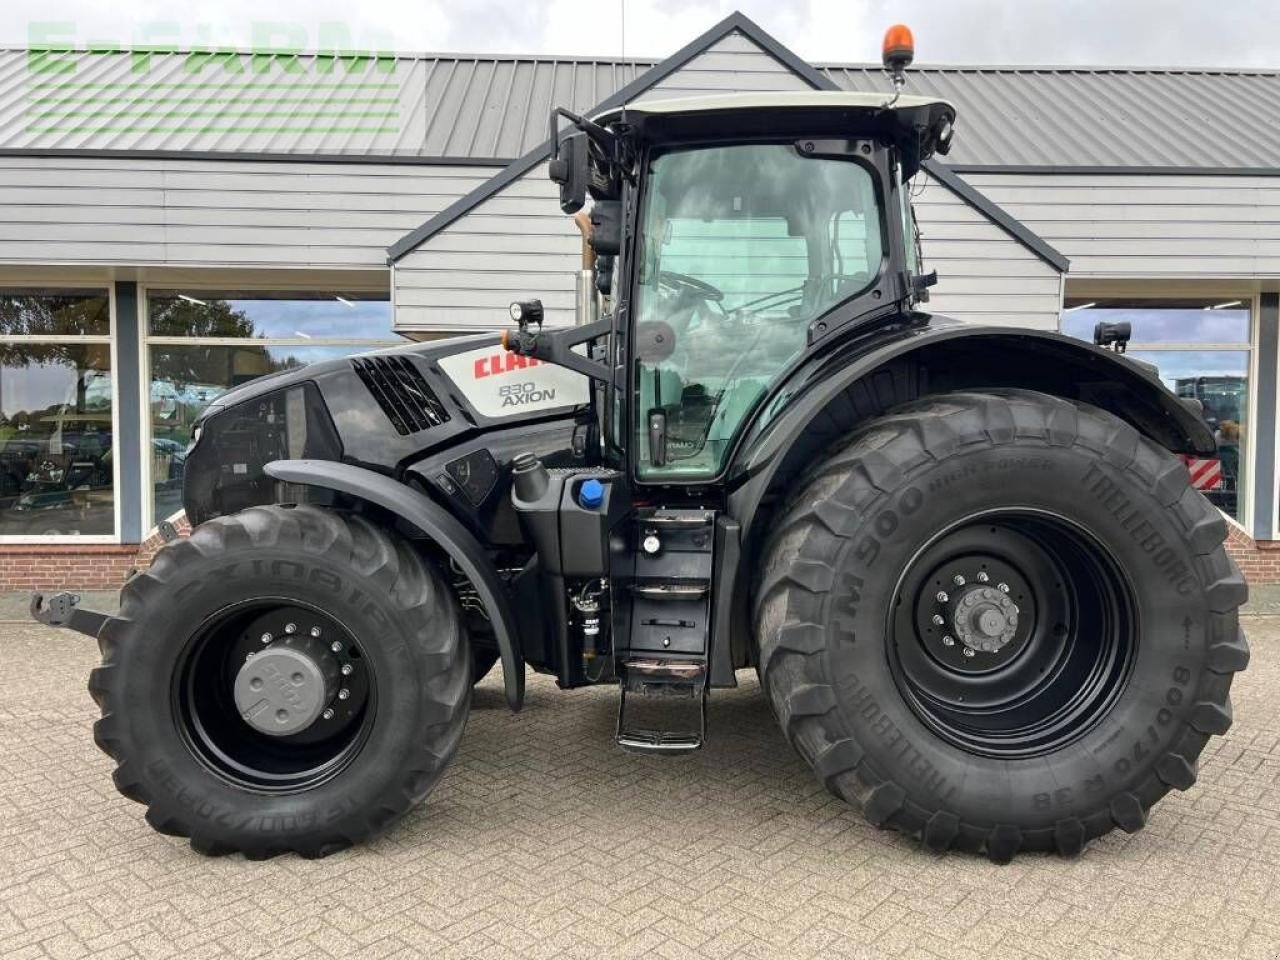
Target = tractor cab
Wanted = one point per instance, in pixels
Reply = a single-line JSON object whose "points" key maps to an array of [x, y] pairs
{"points": [[735, 236]]}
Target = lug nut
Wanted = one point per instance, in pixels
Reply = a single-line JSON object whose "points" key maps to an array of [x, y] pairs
{"points": [[941, 596], [938, 619], [948, 642], [1003, 587], [346, 669], [328, 713], [290, 628], [315, 631], [958, 580], [982, 576], [265, 638], [336, 647], [344, 694], [968, 651]]}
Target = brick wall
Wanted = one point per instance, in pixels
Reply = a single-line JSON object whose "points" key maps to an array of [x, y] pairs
{"points": [[1259, 559], [104, 567], [33, 566]]}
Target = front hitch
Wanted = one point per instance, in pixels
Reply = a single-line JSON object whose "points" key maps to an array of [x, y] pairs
{"points": [[63, 610]]}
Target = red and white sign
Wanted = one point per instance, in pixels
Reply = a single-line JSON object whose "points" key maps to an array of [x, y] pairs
{"points": [[498, 383], [1205, 474]]}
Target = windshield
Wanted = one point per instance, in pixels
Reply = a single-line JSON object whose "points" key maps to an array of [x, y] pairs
{"points": [[742, 246]]}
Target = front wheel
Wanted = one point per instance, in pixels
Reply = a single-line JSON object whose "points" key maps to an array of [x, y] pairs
{"points": [[286, 679], [1000, 622]]}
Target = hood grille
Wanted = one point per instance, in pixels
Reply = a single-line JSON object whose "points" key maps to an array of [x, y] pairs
{"points": [[402, 393]]}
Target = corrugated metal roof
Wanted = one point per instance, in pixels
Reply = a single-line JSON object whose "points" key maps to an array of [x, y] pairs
{"points": [[457, 107], [1074, 117], [495, 108]]}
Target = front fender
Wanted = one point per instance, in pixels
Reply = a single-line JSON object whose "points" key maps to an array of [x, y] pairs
{"points": [[434, 522]]}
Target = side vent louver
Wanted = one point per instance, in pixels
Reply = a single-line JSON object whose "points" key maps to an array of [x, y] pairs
{"points": [[398, 386]]}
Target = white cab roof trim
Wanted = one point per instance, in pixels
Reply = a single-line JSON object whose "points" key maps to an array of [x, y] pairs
{"points": [[747, 101]]}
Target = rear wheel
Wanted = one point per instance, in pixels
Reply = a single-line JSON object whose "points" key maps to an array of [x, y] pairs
{"points": [[286, 679], [1000, 622]]}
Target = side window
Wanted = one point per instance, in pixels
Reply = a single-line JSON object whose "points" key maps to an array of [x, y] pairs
{"points": [[911, 239]]}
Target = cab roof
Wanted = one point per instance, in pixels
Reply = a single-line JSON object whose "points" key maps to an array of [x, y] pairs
{"points": [[778, 100], [918, 126]]}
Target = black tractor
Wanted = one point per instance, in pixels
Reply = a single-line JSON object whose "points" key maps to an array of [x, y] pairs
{"points": [[967, 564]]}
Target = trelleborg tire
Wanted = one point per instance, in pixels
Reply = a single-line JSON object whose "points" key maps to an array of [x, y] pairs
{"points": [[1098, 574], [357, 607]]}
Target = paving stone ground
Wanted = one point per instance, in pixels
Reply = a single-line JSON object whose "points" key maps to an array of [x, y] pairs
{"points": [[544, 840]]}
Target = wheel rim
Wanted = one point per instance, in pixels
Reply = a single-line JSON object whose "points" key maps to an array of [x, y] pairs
{"points": [[227, 716], [1012, 633]]}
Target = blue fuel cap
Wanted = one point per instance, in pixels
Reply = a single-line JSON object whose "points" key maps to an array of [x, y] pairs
{"points": [[590, 494]]}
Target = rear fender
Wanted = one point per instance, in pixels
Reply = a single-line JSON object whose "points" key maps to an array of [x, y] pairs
{"points": [[836, 393], [434, 522]]}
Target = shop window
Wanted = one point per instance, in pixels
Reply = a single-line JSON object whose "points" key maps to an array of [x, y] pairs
{"points": [[203, 343], [56, 414], [1201, 350]]}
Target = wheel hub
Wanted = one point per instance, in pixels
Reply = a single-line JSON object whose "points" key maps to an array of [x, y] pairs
{"points": [[1011, 633], [283, 690], [984, 618]]}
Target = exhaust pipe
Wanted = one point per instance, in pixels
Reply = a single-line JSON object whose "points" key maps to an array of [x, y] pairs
{"points": [[586, 301]]}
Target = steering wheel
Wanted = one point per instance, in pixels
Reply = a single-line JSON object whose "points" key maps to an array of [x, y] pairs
{"points": [[683, 283]]}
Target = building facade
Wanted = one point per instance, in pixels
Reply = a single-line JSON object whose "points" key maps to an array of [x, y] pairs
{"points": [[174, 224]]}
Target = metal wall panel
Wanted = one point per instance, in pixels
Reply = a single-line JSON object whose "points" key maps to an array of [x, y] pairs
{"points": [[984, 275], [1148, 225], [216, 213]]}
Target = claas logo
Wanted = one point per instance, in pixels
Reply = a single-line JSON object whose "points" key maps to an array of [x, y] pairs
{"points": [[500, 363]]}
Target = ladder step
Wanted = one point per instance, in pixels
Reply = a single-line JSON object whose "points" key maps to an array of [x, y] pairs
{"points": [[678, 521], [665, 742], [670, 591], [665, 671], [659, 741]]}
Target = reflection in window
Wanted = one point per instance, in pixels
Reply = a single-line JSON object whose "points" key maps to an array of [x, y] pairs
{"points": [[62, 313], [187, 376], [56, 439], [1218, 320], [270, 316], [1216, 375]]}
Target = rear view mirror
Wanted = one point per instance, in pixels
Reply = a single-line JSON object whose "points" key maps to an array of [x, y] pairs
{"points": [[569, 169]]}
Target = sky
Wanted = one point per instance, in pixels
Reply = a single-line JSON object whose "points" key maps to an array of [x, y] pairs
{"points": [[1226, 33]]}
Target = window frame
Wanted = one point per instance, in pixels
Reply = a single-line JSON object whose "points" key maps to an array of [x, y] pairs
{"points": [[1139, 289], [111, 340], [146, 341]]}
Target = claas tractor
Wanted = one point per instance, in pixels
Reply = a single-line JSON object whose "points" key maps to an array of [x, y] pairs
{"points": [[981, 596]]}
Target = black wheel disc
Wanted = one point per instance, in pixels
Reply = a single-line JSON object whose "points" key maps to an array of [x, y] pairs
{"points": [[1012, 633], [221, 734]]}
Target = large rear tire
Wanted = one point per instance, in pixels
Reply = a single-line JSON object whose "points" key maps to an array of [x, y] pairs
{"points": [[360, 635], [1000, 622]]}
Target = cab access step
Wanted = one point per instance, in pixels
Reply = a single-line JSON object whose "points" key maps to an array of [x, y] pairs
{"points": [[665, 657]]}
